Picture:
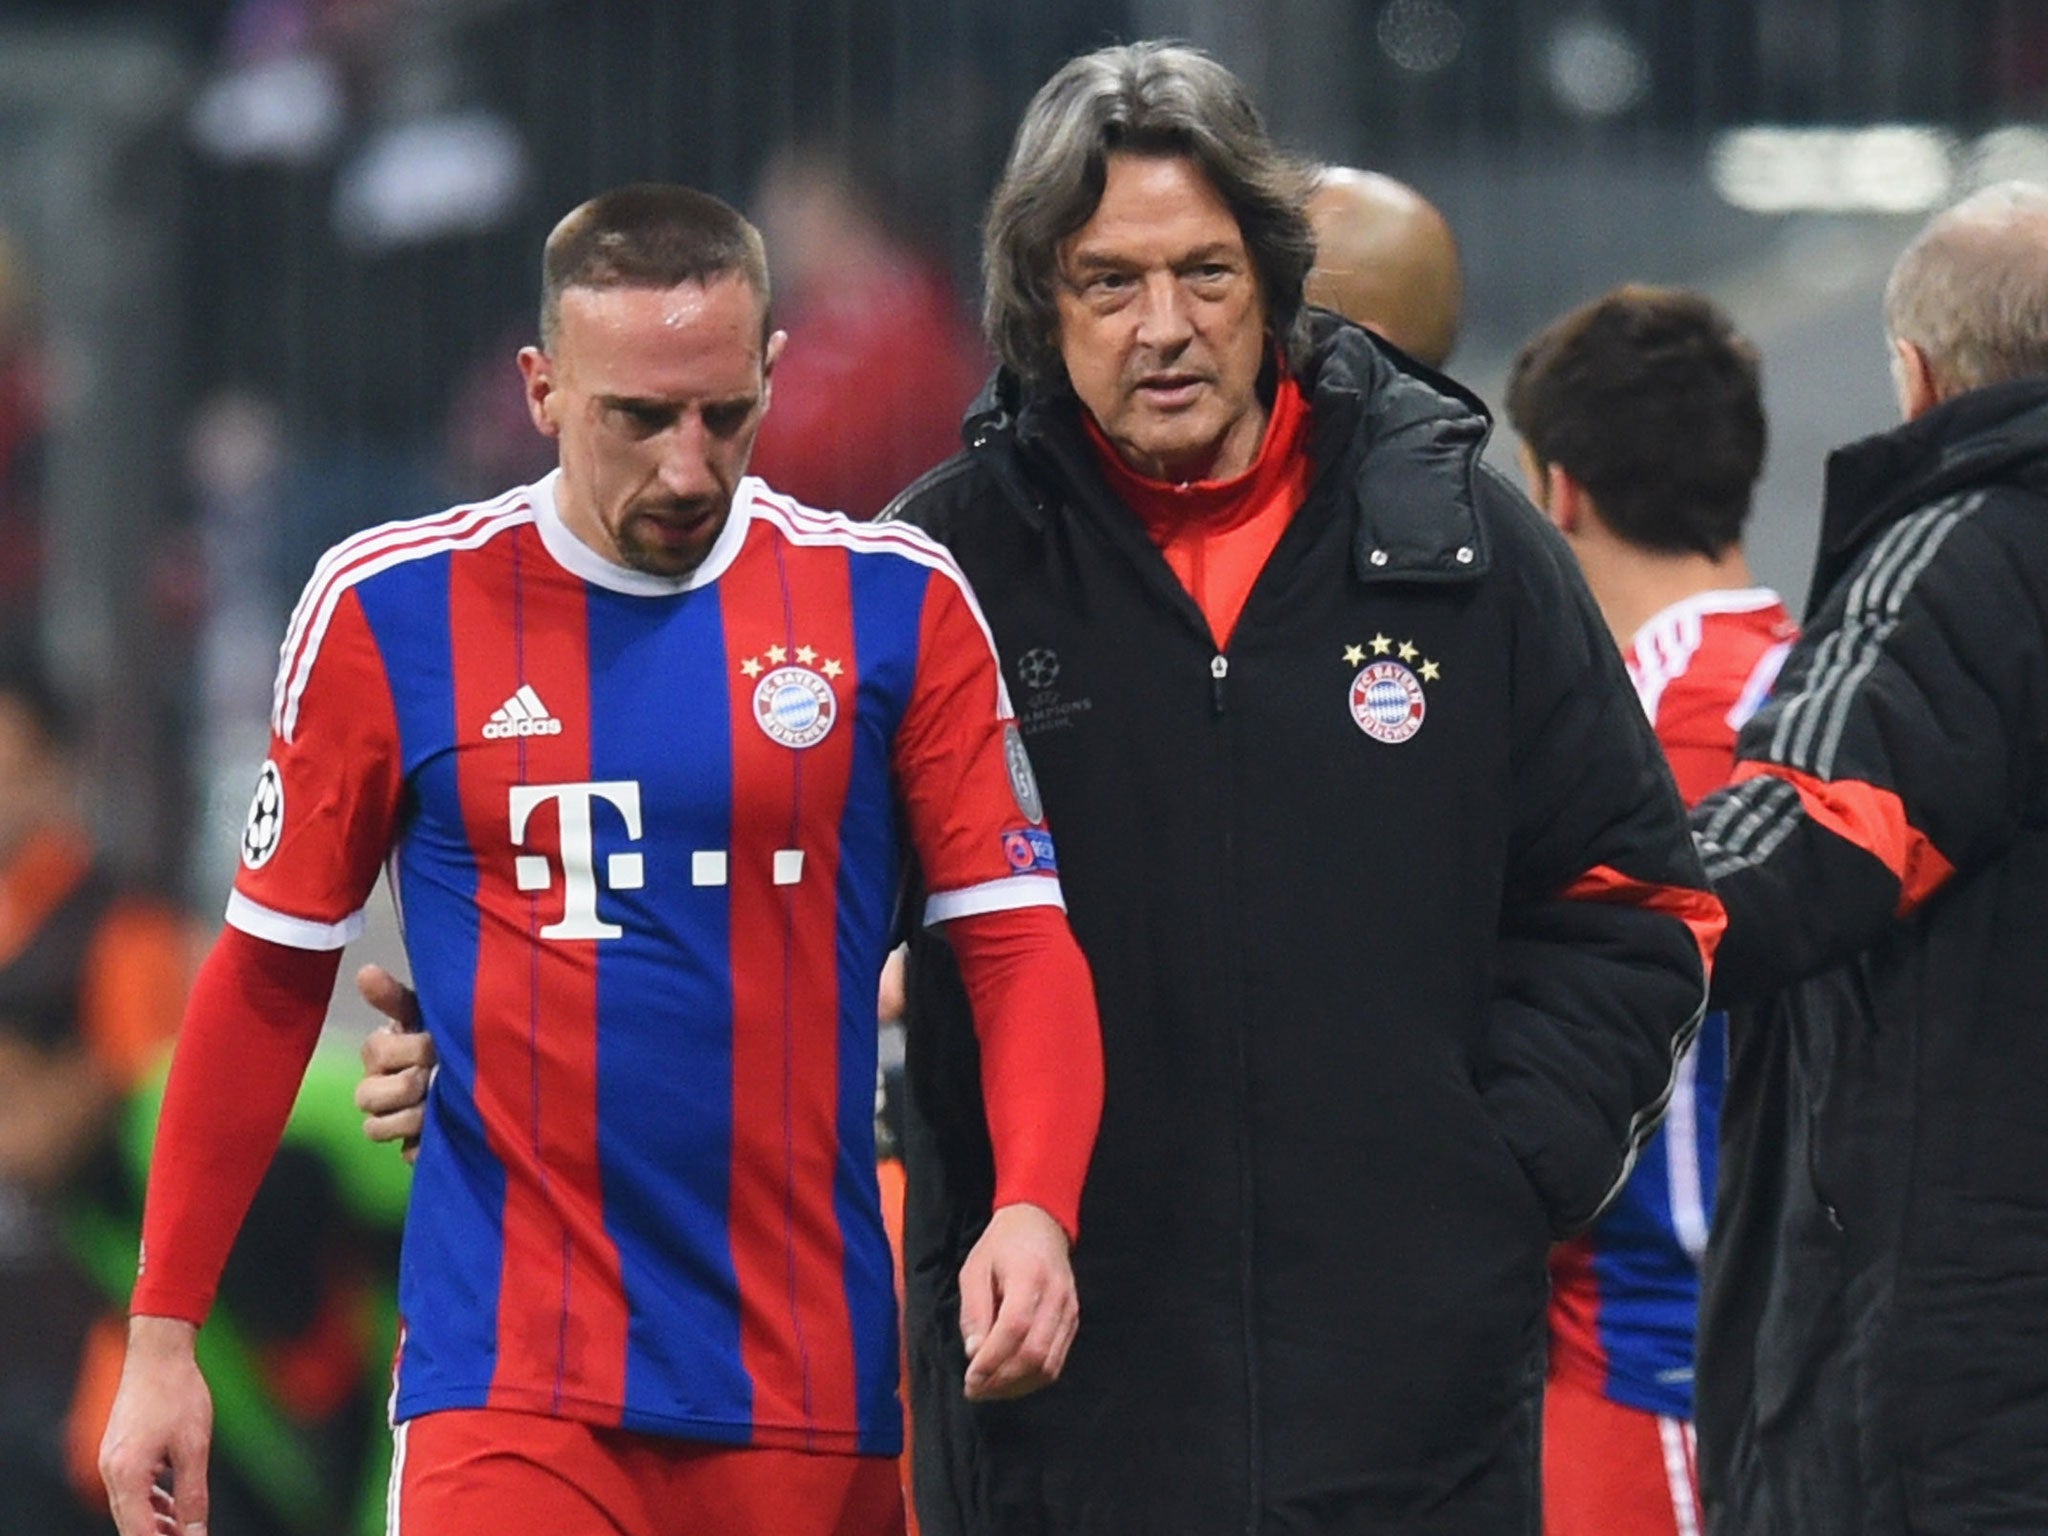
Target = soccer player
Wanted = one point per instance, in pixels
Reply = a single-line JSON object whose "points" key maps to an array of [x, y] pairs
{"points": [[639, 743], [1642, 437]]}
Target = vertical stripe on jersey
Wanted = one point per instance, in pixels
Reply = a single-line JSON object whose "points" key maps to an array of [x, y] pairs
{"points": [[888, 597], [561, 1325], [795, 1330], [665, 1006], [451, 1229]]}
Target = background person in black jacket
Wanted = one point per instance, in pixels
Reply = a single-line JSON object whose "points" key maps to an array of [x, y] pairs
{"points": [[1874, 1340]]}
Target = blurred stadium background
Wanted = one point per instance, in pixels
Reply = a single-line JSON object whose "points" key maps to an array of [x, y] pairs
{"points": [[263, 263]]}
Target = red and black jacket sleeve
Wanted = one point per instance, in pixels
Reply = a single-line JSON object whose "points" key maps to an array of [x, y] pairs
{"points": [[1890, 757], [1607, 927]]}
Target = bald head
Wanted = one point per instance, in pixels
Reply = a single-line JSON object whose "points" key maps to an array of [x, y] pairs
{"points": [[1970, 294], [1386, 258]]}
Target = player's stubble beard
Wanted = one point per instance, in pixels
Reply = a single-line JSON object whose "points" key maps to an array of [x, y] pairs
{"points": [[641, 547]]}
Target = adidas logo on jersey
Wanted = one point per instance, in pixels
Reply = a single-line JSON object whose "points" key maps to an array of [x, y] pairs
{"points": [[521, 715]]}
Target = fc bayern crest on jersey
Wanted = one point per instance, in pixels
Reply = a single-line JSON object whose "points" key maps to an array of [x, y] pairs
{"points": [[1387, 702], [265, 826], [795, 706]]}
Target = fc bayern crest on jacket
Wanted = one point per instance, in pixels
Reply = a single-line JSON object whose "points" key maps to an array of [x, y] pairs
{"points": [[793, 704], [1386, 696]]}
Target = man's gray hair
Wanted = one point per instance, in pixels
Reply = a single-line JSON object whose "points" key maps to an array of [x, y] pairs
{"points": [[1148, 99], [1971, 291]]}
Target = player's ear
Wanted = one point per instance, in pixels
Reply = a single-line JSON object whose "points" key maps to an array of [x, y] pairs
{"points": [[1554, 492], [769, 353], [1564, 499], [536, 369]]}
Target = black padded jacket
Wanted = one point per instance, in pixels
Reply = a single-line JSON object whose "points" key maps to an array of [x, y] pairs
{"points": [[1874, 1341], [1390, 909]]}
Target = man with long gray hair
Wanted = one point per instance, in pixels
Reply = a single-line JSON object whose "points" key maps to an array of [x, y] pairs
{"points": [[1393, 920], [1874, 1345]]}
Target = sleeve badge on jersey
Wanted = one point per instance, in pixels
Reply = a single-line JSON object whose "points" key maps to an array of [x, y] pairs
{"points": [[1023, 783], [1029, 851], [260, 833]]}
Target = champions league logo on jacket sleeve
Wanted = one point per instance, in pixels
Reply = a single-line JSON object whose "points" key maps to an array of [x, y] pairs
{"points": [[794, 705], [1386, 698]]}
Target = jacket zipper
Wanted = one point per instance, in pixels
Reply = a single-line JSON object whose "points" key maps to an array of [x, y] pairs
{"points": [[1219, 672]]}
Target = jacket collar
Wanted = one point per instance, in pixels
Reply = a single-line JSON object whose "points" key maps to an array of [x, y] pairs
{"points": [[1975, 439], [1404, 440], [1407, 441]]}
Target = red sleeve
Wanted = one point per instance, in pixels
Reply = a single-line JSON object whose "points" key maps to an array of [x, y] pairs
{"points": [[1041, 1053], [327, 799], [250, 1026], [962, 771]]}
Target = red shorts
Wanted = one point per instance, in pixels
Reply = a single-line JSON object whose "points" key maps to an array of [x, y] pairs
{"points": [[1609, 1470], [484, 1471]]}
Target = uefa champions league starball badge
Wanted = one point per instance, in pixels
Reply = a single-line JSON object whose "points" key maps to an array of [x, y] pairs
{"points": [[265, 824], [1386, 697]]}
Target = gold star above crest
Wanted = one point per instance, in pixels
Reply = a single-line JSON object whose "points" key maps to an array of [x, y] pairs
{"points": [[1354, 655], [1407, 651], [777, 655], [751, 666], [806, 655], [832, 667], [1430, 670], [1381, 645]]}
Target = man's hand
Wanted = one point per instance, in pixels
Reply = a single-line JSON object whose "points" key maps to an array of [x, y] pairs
{"points": [[1018, 1311], [889, 997], [162, 1422], [398, 1063]]}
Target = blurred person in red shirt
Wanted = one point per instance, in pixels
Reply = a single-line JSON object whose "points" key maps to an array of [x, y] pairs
{"points": [[21, 440], [881, 360]]}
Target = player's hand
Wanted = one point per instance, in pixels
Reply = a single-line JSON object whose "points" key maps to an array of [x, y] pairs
{"points": [[1018, 1310], [161, 1426], [398, 1063], [889, 997]]}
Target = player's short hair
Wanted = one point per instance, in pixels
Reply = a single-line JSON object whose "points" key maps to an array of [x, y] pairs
{"points": [[26, 683], [649, 235], [1971, 290], [1649, 398], [1149, 99]]}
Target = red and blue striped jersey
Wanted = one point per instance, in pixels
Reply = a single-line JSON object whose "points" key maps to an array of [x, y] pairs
{"points": [[1625, 1293], [644, 835]]}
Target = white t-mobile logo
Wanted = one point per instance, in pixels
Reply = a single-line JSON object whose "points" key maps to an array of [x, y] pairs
{"points": [[623, 871]]}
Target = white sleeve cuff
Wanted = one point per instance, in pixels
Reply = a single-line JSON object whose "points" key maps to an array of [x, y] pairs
{"points": [[261, 922], [1004, 895]]}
